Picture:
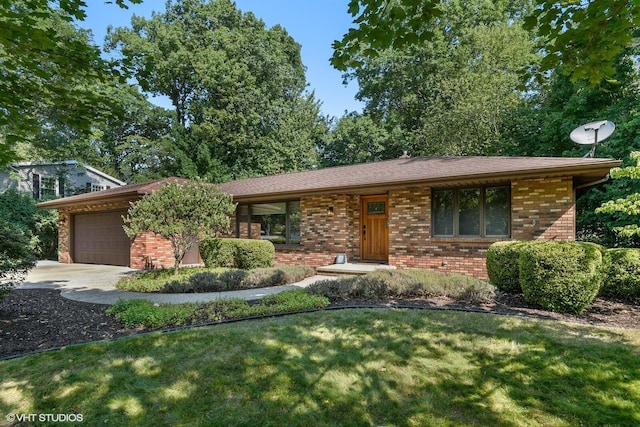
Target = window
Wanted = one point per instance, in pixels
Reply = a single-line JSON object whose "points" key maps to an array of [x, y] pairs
{"points": [[278, 222], [44, 187], [472, 212], [47, 188]]}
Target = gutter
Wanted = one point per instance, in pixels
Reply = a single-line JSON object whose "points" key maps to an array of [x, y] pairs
{"points": [[592, 183]]}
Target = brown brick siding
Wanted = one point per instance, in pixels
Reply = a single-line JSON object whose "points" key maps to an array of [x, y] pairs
{"points": [[541, 209]]}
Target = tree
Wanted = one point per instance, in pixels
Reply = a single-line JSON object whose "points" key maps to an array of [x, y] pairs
{"points": [[137, 145], [585, 37], [238, 88], [182, 212], [453, 95], [626, 210], [46, 64], [356, 138]]}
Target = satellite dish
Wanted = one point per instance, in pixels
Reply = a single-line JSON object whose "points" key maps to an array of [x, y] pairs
{"points": [[592, 133]]}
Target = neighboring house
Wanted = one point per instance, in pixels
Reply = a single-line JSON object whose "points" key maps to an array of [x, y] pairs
{"points": [[50, 180], [439, 213]]}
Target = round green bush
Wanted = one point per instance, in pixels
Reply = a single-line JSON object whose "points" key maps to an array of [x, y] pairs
{"points": [[561, 276], [623, 278], [246, 254], [503, 265]]}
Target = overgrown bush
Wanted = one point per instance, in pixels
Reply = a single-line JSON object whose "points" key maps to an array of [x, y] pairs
{"points": [[16, 256], [623, 278], [39, 225], [237, 253], [503, 265], [561, 276], [404, 284]]}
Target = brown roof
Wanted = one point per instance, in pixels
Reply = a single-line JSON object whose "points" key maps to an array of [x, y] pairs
{"points": [[436, 171], [380, 176]]}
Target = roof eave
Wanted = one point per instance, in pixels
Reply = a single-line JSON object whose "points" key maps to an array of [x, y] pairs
{"points": [[575, 171]]}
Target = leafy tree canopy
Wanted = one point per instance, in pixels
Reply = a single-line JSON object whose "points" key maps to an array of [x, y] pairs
{"points": [[626, 210], [47, 64], [584, 36], [450, 96], [183, 213], [236, 86]]}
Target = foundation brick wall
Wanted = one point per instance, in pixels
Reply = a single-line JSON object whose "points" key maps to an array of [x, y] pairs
{"points": [[149, 251], [325, 232]]}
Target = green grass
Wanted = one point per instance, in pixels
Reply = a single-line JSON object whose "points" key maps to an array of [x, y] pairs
{"points": [[355, 368], [135, 313]]}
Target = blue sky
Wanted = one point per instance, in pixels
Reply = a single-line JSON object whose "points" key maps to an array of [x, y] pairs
{"points": [[313, 24]]}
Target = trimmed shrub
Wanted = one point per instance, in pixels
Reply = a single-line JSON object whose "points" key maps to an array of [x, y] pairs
{"points": [[503, 265], [252, 254], [623, 278], [218, 253], [246, 254], [561, 276]]}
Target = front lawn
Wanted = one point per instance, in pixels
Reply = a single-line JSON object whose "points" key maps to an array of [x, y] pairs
{"points": [[348, 367]]}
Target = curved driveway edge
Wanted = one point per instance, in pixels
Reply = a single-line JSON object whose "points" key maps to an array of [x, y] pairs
{"points": [[96, 284]]}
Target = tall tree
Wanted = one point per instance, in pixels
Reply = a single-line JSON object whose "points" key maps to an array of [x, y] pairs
{"points": [[452, 95], [356, 138], [46, 65], [584, 36], [234, 84]]}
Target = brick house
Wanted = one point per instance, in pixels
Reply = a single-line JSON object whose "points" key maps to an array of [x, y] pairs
{"points": [[439, 213]]}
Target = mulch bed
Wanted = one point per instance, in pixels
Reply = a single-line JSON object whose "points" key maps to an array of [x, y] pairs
{"points": [[38, 319]]}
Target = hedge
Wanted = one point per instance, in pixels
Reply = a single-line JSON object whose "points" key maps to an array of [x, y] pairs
{"points": [[561, 276], [623, 280], [237, 253], [503, 265]]}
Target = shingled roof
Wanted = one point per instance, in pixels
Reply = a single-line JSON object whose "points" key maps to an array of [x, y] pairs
{"points": [[367, 178], [436, 171]]}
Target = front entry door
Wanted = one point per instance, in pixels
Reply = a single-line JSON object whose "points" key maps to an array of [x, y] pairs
{"points": [[374, 234]]}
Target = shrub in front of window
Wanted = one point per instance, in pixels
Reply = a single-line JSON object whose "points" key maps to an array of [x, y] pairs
{"points": [[623, 279], [218, 252], [252, 254], [503, 265], [561, 276], [237, 253]]}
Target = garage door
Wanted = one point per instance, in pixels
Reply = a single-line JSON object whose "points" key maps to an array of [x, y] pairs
{"points": [[100, 239]]}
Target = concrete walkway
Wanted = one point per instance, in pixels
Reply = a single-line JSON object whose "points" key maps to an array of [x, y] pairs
{"points": [[96, 284]]}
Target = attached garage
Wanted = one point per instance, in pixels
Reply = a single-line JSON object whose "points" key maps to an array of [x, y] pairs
{"points": [[90, 230], [98, 238]]}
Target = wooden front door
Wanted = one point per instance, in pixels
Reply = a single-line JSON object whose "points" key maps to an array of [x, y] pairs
{"points": [[374, 234]]}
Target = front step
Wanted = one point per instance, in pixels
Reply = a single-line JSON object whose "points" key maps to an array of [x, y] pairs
{"points": [[351, 269]]}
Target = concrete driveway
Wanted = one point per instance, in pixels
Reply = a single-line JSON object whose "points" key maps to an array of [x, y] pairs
{"points": [[96, 284]]}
